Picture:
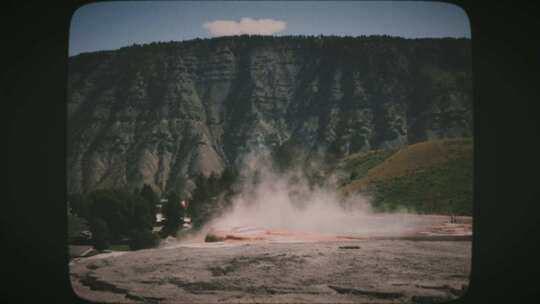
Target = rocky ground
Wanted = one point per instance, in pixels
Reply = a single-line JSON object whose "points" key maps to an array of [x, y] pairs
{"points": [[345, 271]]}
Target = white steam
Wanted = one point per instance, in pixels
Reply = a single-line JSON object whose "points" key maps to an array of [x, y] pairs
{"points": [[269, 200]]}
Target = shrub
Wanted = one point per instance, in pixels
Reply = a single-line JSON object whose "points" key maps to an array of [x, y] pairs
{"points": [[100, 234], [76, 225], [143, 240], [122, 211], [173, 213]]}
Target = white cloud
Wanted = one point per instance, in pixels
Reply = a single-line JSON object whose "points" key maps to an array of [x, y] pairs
{"points": [[245, 26]]}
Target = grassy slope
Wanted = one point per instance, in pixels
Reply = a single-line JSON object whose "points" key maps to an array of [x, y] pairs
{"points": [[428, 177]]}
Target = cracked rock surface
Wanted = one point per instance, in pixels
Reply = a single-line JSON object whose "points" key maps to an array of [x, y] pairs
{"points": [[374, 271]]}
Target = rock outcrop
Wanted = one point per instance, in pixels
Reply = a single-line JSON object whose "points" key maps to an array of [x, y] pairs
{"points": [[162, 113]]}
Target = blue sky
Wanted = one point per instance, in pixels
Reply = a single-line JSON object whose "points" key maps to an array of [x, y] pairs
{"points": [[111, 25]]}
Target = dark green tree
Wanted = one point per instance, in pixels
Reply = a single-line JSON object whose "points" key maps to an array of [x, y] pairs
{"points": [[76, 224], [288, 156], [142, 239], [228, 177], [143, 215], [173, 214], [100, 234], [78, 205], [111, 207], [122, 211], [151, 198], [211, 195], [200, 200], [214, 185]]}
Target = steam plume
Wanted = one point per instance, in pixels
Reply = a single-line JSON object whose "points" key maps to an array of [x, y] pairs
{"points": [[270, 200]]}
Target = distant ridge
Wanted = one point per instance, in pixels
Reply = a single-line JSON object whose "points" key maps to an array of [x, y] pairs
{"points": [[162, 113]]}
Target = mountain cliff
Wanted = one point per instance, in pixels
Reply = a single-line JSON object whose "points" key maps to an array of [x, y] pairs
{"points": [[162, 113]]}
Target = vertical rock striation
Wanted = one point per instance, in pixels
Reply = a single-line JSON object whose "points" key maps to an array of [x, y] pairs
{"points": [[164, 112]]}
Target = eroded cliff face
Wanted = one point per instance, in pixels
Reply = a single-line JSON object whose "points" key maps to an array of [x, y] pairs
{"points": [[162, 113]]}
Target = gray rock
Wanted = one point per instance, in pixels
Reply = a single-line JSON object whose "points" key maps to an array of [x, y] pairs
{"points": [[161, 114]]}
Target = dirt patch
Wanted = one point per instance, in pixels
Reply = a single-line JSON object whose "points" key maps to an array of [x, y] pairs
{"points": [[223, 270], [96, 284], [150, 300], [198, 287], [237, 263], [206, 287], [369, 293], [143, 269], [446, 288], [153, 282], [98, 264], [429, 299]]}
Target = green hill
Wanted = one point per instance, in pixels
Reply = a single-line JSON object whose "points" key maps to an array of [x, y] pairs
{"points": [[427, 177]]}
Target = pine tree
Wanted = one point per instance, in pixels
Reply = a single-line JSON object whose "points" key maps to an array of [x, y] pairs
{"points": [[173, 213], [151, 198], [100, 234], [199, 202]]}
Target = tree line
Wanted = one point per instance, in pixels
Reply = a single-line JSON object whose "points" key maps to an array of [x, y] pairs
{"points": [[115, 216]]}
